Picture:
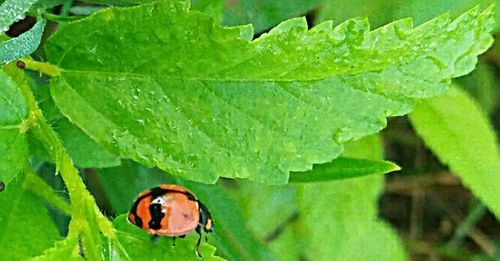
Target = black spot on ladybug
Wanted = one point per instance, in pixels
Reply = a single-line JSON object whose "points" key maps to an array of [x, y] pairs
{"points": [[138, 221], [2, 186], [156, 216], [20, 64]]}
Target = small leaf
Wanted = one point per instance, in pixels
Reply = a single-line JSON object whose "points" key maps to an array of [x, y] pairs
{"points": [[13, 143], [342, 168], [200, 101], [457, 131], [67, 249], [133, 243], [231, 236], [12, 11], [23, 45], [26, 228]]}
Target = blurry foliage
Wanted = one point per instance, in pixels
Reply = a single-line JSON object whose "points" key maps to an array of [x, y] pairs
{"points": [[335, 217]]}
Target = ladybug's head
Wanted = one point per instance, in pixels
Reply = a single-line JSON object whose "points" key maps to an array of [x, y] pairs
{"points": [[206, 219]]}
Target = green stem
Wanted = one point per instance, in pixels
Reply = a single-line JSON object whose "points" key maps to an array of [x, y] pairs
{"points": [[469, 222], [83, 208], [45, 68], [59, 18], [65, 7], [39, 187]]}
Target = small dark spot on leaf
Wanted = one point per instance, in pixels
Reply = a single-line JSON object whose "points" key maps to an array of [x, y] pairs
{"points": [[21, 64], [2, 186]]}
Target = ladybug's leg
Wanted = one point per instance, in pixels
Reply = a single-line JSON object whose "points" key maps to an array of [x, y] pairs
{"points": [[173, 241], [198, 230], [182, 236], [155, 238]]}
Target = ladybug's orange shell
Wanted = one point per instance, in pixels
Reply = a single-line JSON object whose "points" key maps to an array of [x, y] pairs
{"points": [[175, 213]]}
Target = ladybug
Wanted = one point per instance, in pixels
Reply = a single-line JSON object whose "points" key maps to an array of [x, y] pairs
{"points": [[170, 210]]}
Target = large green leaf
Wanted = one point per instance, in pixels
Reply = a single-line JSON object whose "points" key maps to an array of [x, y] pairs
{"points": [[202, 101], [13, 144], [26, 228], [84, 151], [460, 135]]}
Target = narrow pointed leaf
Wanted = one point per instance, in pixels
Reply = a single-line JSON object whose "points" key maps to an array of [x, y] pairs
{"points": [[23, 45], [201, 101], [457, 131], [343, 168]]}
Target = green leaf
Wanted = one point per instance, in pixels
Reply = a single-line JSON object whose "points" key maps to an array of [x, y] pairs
{"points": [[201, 101], [23, 45], [265, 208], [231, 236], [264, 14], [26, 228], [343, 168], [12, 11], [343, 214], [304, 221], [482, 85], [133, 243], [67, 249], [458, 132], [84, 151], [13, 143]]}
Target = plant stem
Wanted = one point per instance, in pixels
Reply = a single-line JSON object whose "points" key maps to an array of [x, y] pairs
{"points": [[65, 7], [45, 68], [39, 187], [84, 211]]}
